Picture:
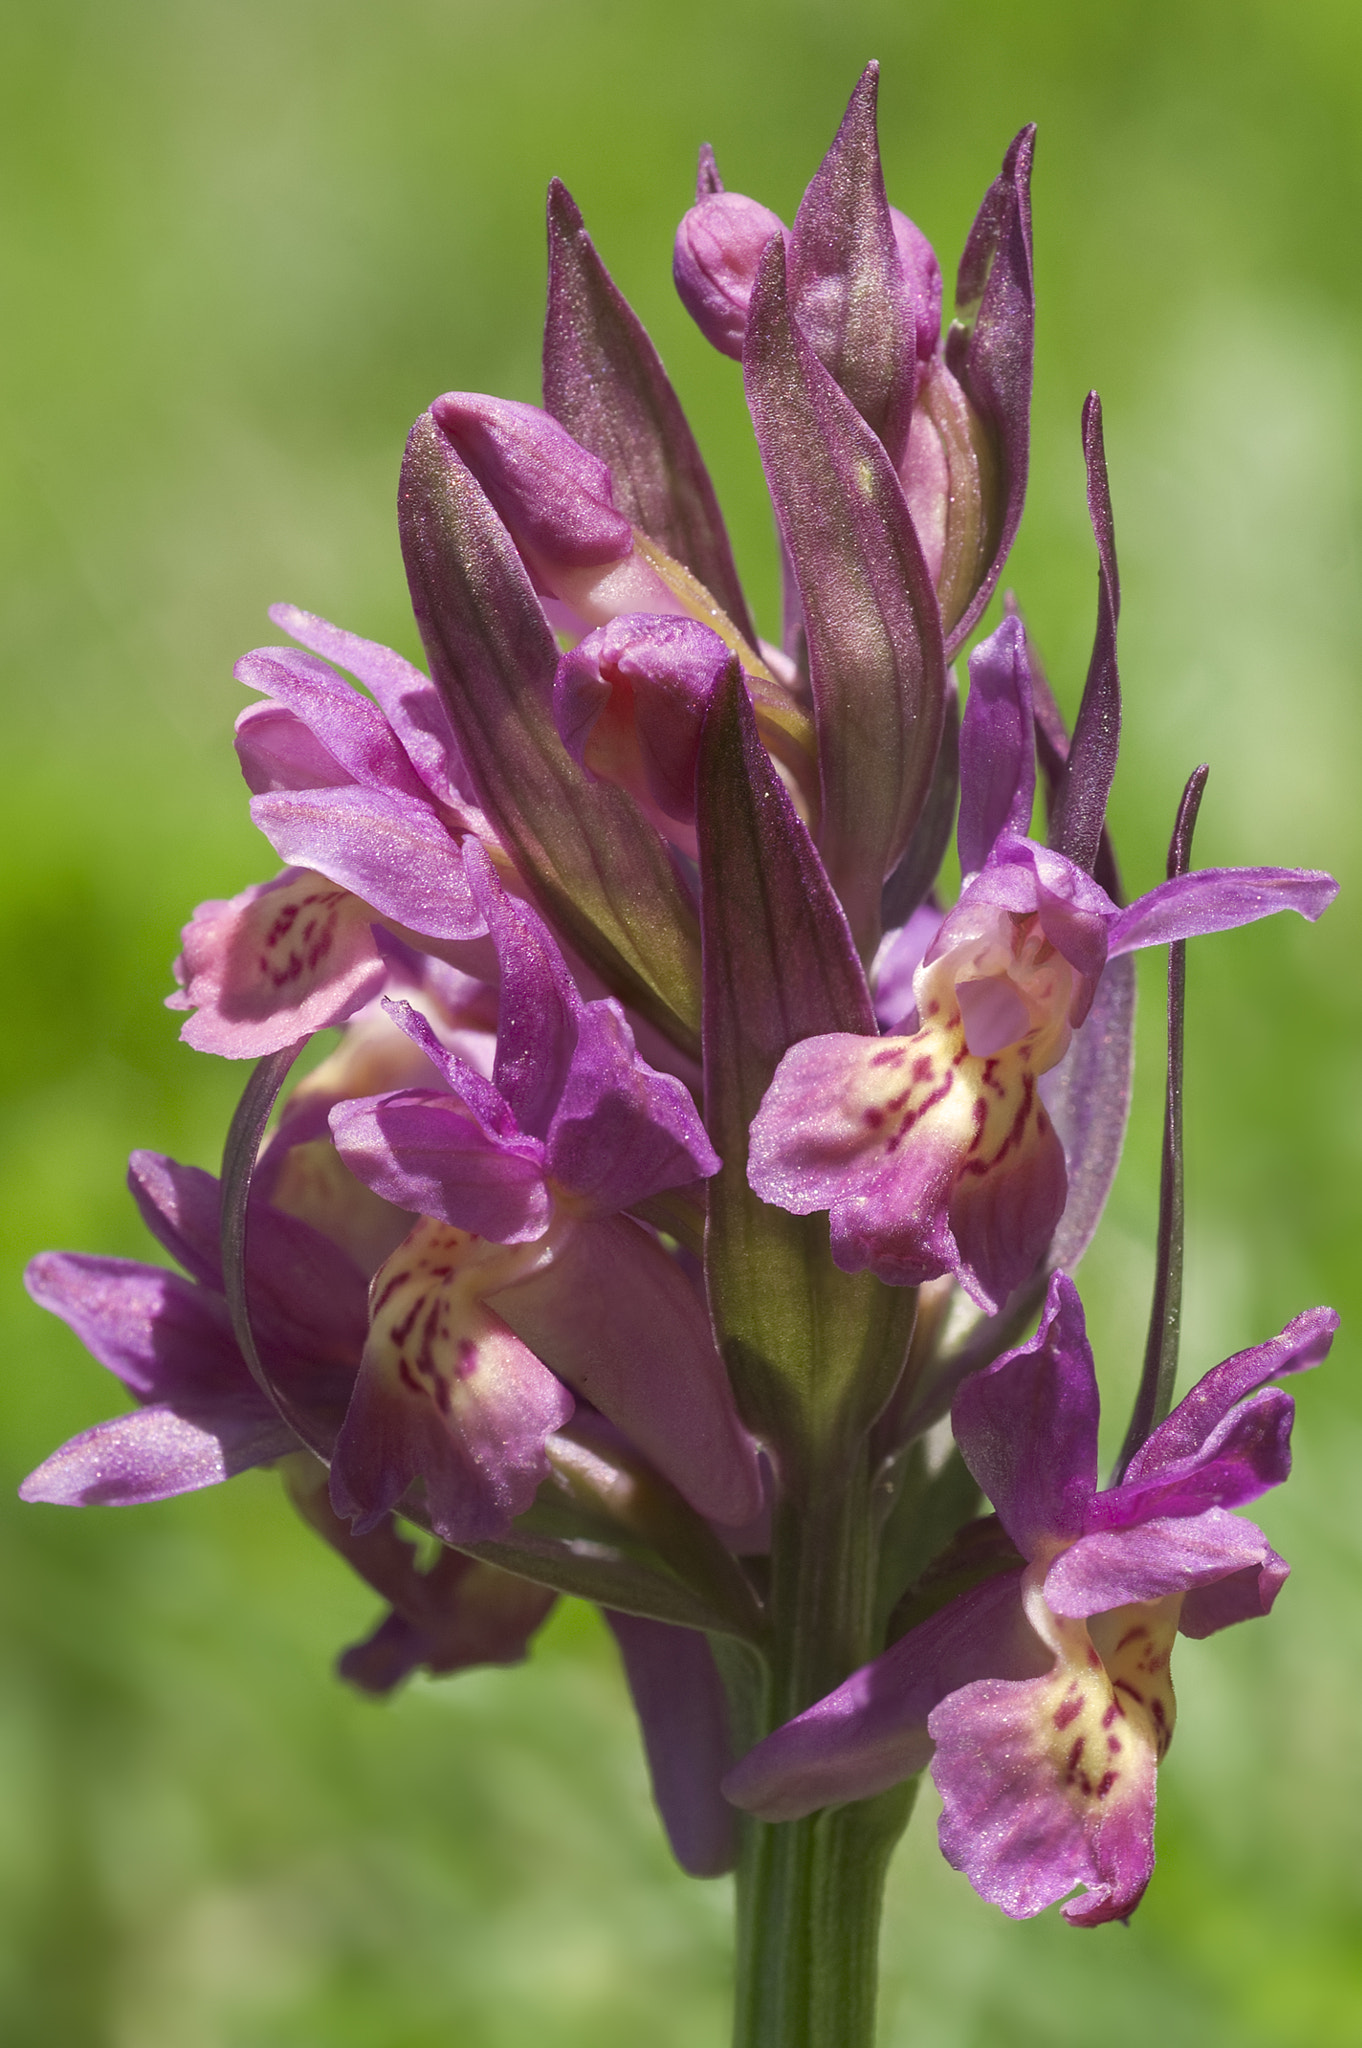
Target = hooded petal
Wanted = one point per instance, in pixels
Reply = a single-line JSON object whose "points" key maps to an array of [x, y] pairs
{"points": [[714, 264], [997, 746], [1027, 1426], [622, 1131], [428, 1154], [351, 727], [410, 701]]}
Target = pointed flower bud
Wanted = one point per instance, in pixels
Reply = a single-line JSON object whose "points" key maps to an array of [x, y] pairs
{"points": [[718, 248]]}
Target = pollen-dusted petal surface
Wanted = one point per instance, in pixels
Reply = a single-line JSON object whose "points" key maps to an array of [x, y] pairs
{"points": [[1049, 1782], [928, 1158], [282, 959], [446, 1394]]}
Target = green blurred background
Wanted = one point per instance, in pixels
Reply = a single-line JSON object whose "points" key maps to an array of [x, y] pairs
{"points": [[243, 244]]}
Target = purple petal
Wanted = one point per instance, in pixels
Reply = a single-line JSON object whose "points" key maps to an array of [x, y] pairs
{"points": [[1218, 900], [622, 1131], [1303, 1343], [1247, 1454], [1242, 1596], [900, 955], [446, 1395], [1023, 1829], [1027, 1426], [1120, 1567], [1075, 912], [539, 1012], [391, 851], [167, 1339], [679, 1699], [409, 699], [605, 381], [277, 751], [875, 653], [872, 1731], [1006, 1204], [158, 1452], [617, 1318], [997, 747], [350, 726], [308, 1298], [990, 353], [274, 964], [1088, 1097], [466, 1613], [847, 288], [426, 1153], [714, 264]]}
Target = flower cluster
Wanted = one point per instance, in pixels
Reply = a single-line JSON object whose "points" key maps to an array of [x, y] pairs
{"points": [[632, 927]]}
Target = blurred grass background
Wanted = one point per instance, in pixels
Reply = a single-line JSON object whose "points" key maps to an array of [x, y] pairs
{"points": [[242, 245]]}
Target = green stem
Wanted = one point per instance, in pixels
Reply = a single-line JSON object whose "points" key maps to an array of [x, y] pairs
{"points": [[809, 1891]]}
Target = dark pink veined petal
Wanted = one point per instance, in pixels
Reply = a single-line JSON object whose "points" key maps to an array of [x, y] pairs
{"points": [[1022, 1835], [1004, 1209], [412, 704], [622, 1131], [1303, 1343], [679, 1699], [872, 1731], [274, 964], [349, 725], [1120, 1567], [1027, 1426], [391, 851], [446, 1396], [428, 1154], [997, 746], [1217, 900], [158, 1452], [617, 1318], [1247, 1453]]}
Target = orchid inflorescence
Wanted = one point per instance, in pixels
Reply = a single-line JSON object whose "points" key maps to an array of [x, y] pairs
{"points": [[686, 1159]]}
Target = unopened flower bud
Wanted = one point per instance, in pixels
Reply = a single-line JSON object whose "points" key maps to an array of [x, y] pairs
{"points": [[718, 248]]}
